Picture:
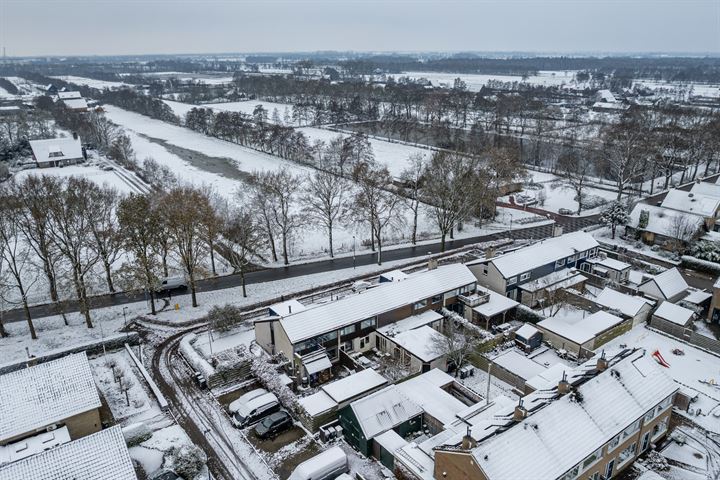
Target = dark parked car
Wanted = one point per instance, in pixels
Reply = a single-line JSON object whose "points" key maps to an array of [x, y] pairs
{"points": [[274, 424]]}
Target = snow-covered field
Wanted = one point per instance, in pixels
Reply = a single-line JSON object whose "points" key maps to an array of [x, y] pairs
{"points": [[91, 82], [476, 81], [25, 89], [91, 171]]}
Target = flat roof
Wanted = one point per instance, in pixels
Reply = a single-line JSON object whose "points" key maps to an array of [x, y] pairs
{"points": [[354, 385], [383, 298], [496, 305], [580, 330], [39, 396], [518, 364]]}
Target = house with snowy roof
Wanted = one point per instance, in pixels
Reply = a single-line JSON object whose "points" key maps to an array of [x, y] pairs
{"points": [[608, 268], [695, 202], [57, 152], [69, 95], [103, 454], [581, 334], [523, 274], [415, 341], [593, 423], [666, 227], [487, 308], [667, 286], [670, 314], [348, 326], [76, 104], [629, 306], [49, 396]]}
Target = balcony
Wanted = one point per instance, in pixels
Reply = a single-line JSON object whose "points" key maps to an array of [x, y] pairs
{"points": [[475, 299]]}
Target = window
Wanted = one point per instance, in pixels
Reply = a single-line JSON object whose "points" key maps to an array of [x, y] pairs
{"points": [[582, 255], [347, 330], [571, 259], [369, 323], [347, 346], [512, 281], [591, 459], [659, 428], [420, 304], [437, 298], [525, 276], [560, 263], [631, 429], [572, 474], [594, 476], [627, 454], [614, 442]]}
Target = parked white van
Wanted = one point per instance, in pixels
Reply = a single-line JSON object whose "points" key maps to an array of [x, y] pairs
{"points": [[252, 407], [328, 465], [171, 283]]}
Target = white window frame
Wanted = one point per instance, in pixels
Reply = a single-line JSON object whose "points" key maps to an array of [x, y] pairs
{"points": [[633, 447], [560, 263], [511, 281], [524, 276], [420, 304]]}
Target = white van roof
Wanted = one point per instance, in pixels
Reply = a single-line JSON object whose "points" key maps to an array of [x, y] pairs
{"points": [[245, 398], [265, 399], [310, 467]]}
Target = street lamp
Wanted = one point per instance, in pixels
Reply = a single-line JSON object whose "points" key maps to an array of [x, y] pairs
{"points": [[511, 220], [353, 251]]}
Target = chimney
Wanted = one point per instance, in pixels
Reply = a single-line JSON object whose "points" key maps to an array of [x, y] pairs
{"points": [[563, 385], [520, 411], [432, 264], [468, 442], [289, 309], [75, 135], [602, 363]]}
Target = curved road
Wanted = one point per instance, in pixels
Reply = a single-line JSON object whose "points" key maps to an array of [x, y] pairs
{"points": [[570, 224]]}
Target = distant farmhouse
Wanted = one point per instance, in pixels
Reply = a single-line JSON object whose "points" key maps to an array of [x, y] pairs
{"points": [[57, 152]]}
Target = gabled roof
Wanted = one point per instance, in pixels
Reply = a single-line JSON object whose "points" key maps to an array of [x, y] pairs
{"points": [[66, 95], [54, 149], [100, 455], [526, 331], [39, 396], [543, 253], [580, 330], [75, 103], [420, 342], [426, 391], [626, 304], [383, 410], [670, 283], [674, 313], [566, 431], [383, 298]]}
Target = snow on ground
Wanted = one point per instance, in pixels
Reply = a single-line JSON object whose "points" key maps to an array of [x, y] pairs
{"points": [[91, 171], [110, 388], [91, 82], [476, 81], [478, 383], [249, 106], [54, 335], [25, 89], [210, 343], [150, 453], [692, 371], [246, 159]]}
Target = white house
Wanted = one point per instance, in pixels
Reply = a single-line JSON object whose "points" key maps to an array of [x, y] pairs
{"points": [[668, 286], [630, 306], [57, 152]]}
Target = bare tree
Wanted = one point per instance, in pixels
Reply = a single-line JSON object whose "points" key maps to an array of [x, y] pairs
{"points": [[71, 231], [682, 230], [447, 191], [140, 226], [212, 222], [375, 203], [576, 170], [324, 201], [456, 343], [15, 252], [262, 202], [107, 242], [624, 150], [183, 209], [412, 177], [244, 237]]}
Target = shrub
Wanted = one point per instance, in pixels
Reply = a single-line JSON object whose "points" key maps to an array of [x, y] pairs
{"points": [[187, 461]]}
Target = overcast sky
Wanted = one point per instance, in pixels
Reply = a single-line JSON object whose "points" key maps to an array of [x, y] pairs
{"points": [[97, 27]]}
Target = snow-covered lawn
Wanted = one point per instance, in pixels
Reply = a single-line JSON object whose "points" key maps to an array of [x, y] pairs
{"points": [[110, 388], [90, 170], [92, 82]]}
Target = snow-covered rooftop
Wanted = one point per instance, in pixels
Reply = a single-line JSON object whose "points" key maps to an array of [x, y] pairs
{"points": [[670, 283], [39, 396], [287, 308], [69, 95], [663, 221], [565, 278], [317, 403], [580, 330], [707, 189], [674, 313], [425, 390], [626, 304], [391, 441], [518, 364], [410, 323], [100, 455], [383, 298], [526, 331], [691, 202], [354, 385], [696, 296], [542, 253], [548, 378], [611, 401], [384, 410], [610, 263], [497, 304], [54, 149], [421, 342], [75, 103]]}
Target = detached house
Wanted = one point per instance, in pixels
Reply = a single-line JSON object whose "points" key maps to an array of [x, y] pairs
{"points": [[668, 286], [58, 396], [57, 152], [524, 274]]}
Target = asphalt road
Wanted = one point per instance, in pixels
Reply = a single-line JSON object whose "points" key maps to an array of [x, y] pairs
{"points": [[570, 224]]}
